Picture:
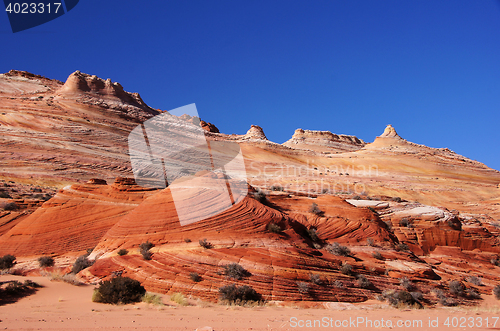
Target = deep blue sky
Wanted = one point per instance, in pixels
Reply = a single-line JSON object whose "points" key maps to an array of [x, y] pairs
{"points": [[429, 68]]}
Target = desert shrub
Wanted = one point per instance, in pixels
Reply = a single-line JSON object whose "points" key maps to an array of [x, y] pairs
{"points": [[403, 298], [404, 222], [313, 234], [11, 206], [338, 249], [277, 188], [144, 250], [363, 282], [496, 292], [315, 279], [195, 277], [260, 196], [15, 288], [396, 199], [238, 294], [7, 261], [406, 284], [346, 268], [235, 271], [370, 242], [119, 290], [418, 296], [153, 299], [356, 197], [443, 300], [5, 195], [179, 298], [456, 288], [472, 293], [475, 280], [274, 228], [378, 256], [303, 287], [82, 262], [187, 240], [401, 247], [495, 261], [68, 278], [122, 252], [315, 209], [338, 284], [205, 244], [46, 261]]}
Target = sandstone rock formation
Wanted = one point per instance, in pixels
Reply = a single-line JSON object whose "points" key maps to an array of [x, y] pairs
{"points": [[324, 141], [403, 209]]}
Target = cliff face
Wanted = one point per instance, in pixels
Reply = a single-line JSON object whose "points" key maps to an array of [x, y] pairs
{"points": [[430, 213], [324, 141]]}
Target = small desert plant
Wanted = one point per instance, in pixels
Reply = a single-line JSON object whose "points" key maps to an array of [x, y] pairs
{"points": [[401, 247], [274, 228], [82, 262], [5, 195], [418, 296], [338, 284], [303, 287], [356, 197], [406, 284], [495, 261], [205, 244], [260, 196], [363, 282], [235, 271], [315, 279], [496, 292], [396, 199], [179, 298], [119, 290], [456, 288], [46, 261], [154, 299], [472, 293], [313, 234], [16, 288], [378, 256], [11, 206], [7, 261], [404, 222], [277, 188], [122, 252], [195, 277], [68, 278], [239, 294], [402, 299], [475, 280], [144, 250], [187, 240], [370, 242], [346, 268], [443, 300], [315, 209], [337, 249]]}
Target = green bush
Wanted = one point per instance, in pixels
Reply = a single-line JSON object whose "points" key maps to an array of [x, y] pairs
{"points": [[7, 261], [144, 250], [122, 252], [46, 261], [119, 290], [238, 294]]}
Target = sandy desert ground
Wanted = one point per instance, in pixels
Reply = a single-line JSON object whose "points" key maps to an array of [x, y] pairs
{"points": [[61, 306]]}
